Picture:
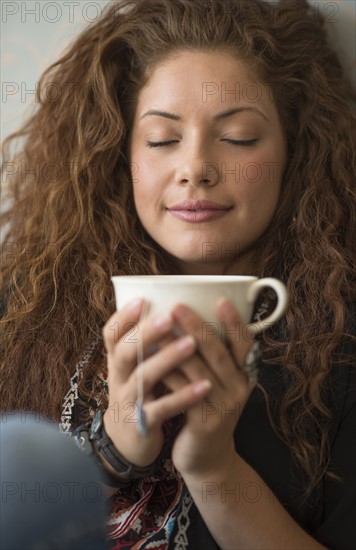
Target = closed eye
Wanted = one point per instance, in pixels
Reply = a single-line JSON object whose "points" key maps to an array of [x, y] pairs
{"points": [[237, 143], [161, 143], [241, 143]]}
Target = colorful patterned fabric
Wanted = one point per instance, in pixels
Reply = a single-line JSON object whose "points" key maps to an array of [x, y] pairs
{"points": [[144, 515]]}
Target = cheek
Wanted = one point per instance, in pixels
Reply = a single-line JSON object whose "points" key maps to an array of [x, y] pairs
{"points": [[142, 179], [261, 181], [272, 162]]}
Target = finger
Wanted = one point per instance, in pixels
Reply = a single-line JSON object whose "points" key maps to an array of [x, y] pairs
{"points": [[121, 322], [237, 334], [212, 350], [175, 381], [191, 369], [159, 366], [140, 343], [172, 404], [195, 368]]}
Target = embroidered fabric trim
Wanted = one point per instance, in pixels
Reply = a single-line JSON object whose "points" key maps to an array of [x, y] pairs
{"points": [[183, 522], [71, 396]]}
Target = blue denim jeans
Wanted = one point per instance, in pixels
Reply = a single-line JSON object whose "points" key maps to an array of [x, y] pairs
{"points": [[51, 493]]}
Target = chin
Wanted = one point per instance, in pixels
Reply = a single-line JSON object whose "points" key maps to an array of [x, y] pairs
{"points": [[193, 258], [195, 265]]}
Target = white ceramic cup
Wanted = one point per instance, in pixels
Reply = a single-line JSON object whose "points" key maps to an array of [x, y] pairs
{"points": [[201, 293]]}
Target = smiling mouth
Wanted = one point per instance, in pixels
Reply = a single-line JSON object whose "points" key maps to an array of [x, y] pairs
{"points": [[198, 215]]}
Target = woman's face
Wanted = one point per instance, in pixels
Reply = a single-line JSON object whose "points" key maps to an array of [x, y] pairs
{"points": [[207, 155]]}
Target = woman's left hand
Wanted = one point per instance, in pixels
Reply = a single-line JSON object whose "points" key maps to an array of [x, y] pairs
{"points": [[205, 443]]}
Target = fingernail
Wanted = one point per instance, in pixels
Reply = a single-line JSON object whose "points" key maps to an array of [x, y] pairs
{"points": [[135, 305], [226, 308], [187, 343], [162, 321], [202, 386]]}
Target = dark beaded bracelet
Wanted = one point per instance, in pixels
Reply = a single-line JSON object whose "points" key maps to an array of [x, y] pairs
{"points": [[81, 437], [94, 441]]}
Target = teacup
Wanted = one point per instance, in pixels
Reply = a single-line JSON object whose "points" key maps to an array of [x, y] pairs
{"points": [[201, 293]]}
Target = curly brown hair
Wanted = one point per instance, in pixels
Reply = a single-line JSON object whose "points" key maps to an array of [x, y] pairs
{"points": [[72, 223]]}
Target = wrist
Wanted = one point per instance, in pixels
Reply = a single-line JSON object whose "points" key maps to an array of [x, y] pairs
{"points": [[94, 441], [213, 471], [114, 476], [82, 440]]}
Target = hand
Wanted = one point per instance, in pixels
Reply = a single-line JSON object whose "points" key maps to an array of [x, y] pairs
{"points": [[206, 441], [120, 419]]}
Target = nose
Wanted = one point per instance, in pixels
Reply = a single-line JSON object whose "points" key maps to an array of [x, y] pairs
{"points": [[196, 170]]}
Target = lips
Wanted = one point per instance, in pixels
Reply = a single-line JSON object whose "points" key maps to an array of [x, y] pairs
{"points": [[198, 205], [199, 210]]}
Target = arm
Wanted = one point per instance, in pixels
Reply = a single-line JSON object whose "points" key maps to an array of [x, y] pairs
{"points": [[204, 452], [240, 521]]}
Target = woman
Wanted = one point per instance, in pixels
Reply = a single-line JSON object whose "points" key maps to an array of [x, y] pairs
{"points": [[242, 104]]}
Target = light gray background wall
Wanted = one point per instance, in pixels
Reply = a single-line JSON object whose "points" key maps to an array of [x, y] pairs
{"points": [[34, 33]]}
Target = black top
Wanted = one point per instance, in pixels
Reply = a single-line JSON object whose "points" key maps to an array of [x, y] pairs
{"points": [[329, 514]]}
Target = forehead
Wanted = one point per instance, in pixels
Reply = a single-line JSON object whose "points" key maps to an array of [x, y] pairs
{"points": [[203, 80]]}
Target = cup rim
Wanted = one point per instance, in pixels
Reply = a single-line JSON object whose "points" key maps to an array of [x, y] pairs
{"points": [[194, 279]]}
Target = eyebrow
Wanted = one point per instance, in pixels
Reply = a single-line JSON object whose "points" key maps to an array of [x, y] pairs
{"points": [[231, 112], [219, 116]]}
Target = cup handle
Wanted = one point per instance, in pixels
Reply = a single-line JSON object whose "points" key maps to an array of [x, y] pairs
{"points": [[282, 302]]}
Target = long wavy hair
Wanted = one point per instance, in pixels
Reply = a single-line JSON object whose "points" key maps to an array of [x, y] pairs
{"points": [[71, 222]]}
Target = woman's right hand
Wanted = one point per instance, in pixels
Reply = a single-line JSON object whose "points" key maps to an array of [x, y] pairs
{"points": [[121, 335]]}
